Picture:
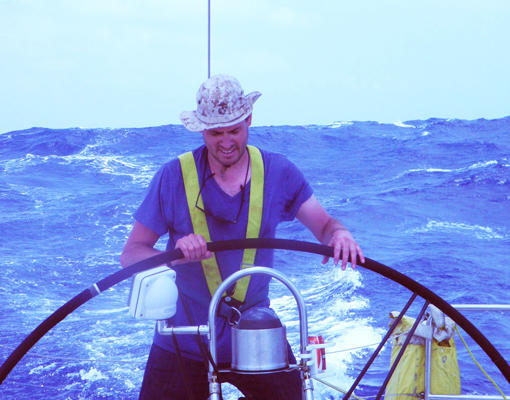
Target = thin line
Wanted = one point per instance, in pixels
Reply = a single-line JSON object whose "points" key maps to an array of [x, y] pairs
{"points": [[365, 346], [208, 39]]}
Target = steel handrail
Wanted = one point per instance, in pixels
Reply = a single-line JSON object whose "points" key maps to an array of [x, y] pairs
{"points": [[303, 323], [428, 357]]}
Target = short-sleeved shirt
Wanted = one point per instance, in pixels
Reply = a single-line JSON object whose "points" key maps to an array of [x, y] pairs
{"points": [[165, 210]]}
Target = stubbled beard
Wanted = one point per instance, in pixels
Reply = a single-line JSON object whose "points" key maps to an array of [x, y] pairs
{"points": [[230, 163]]}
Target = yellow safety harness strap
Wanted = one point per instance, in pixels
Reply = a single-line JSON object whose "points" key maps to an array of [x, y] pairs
{"points": [[192, 188], [198, 218], [254, 218]]}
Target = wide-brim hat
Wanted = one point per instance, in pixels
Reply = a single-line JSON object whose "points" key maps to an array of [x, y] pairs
{"points": [[220, 103]]}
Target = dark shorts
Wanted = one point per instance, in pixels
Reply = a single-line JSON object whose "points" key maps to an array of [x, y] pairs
{"points": [[163, 380]]}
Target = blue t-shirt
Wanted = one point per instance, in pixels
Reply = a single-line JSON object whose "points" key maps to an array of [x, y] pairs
{"points": [[165, 210]]}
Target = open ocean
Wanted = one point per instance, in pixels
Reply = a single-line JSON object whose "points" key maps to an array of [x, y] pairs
{"points": [[430, 199]]}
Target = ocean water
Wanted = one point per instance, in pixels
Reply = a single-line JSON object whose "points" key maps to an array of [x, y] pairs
{"points": [[430, 199]]}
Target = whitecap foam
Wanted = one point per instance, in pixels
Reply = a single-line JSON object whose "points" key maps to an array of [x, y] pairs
{"points": [[483, 164], [350, 338], [332, 303], [107, 311], [129, 384], [337, 124], [431, 170], [423, 170], [40, 369], [478, 165], [402, 125], [92, 375], [481, 232]]}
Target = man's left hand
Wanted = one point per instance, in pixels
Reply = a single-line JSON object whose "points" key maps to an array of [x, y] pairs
{"points": [[344, 243]]}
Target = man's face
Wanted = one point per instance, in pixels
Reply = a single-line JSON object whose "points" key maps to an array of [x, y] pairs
{"points": [[228, 145]]}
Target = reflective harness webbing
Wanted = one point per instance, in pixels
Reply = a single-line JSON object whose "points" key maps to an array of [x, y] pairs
{"points": [[198, 219]]}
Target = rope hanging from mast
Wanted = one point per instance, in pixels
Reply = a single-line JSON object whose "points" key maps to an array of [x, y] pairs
{"points": [[208, 39]]}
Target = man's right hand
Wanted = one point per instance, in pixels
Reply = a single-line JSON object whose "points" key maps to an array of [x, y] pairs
{"points": [[194, 249]]}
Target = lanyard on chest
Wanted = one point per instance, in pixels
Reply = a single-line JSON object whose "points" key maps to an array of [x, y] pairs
{"points": [[198, 219]]}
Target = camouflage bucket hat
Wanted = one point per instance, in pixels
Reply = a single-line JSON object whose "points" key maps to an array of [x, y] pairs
{"points": [[220, 103]]}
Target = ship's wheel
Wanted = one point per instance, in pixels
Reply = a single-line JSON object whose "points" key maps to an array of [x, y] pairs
{"points": [[417, 289]]}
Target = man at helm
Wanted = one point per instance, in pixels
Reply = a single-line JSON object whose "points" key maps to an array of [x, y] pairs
{"points": [[225, 189]]}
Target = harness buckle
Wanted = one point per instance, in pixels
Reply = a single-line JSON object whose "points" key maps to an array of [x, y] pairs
{"points": [[234, 319], [229, 308]]}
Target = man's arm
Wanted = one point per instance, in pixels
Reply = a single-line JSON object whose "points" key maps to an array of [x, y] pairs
{"points": [[139, 246], [330, 231], [141, 241]]}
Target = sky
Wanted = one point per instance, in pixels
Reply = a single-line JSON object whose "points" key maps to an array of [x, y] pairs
{"points": [[139, 63]]}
